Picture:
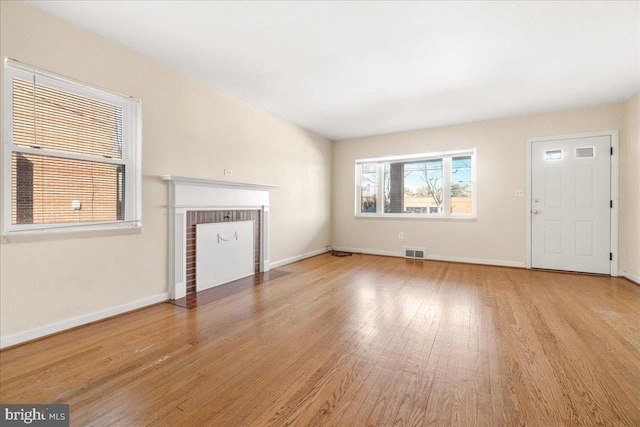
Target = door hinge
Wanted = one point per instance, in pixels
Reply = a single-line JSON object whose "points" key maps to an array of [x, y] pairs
{"points": [[611, 204], [610, 256], [612, 151]]}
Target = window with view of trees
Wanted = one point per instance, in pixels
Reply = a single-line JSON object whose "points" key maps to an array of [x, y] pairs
{"points": [[436, 185], [368, 189], [72, 153]]}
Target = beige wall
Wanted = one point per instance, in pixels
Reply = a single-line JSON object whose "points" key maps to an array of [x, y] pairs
{"points": [[630, 191], [499, 232], [189, 129]]}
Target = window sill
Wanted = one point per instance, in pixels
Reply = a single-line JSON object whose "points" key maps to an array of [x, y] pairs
{"points": [[60, 234], [404, 217]]}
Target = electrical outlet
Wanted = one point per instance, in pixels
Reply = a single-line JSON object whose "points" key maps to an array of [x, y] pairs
{"points": [[228, 172], [401, 235], [519, 193]]}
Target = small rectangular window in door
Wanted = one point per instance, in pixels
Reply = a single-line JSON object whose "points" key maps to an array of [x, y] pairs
{"points": [[585, 152], [553, 155]]}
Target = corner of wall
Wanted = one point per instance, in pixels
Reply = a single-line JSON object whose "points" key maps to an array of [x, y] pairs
{"points": [[629, 192]]}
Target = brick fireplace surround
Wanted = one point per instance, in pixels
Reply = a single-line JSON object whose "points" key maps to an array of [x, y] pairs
{"points": [[198, 201]]}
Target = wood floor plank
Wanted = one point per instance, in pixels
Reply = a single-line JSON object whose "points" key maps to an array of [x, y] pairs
{"points": [[361, 340]]}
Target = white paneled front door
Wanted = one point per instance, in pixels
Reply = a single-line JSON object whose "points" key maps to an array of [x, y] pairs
{"points": [[570, 204]]}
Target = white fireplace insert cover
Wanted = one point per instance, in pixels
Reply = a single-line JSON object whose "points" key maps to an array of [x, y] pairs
{"points": [[224, 252]]}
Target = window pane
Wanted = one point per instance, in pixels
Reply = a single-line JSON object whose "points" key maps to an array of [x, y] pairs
{"points": [[368, 200], [368, 188], [369, 176], [394, 188], [553, 155], [422, 187], [387, 189], [54, 120], [49, 190], [461, 188]]}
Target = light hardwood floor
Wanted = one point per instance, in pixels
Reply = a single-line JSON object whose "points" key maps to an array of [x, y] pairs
{"points": [[355, 341]]}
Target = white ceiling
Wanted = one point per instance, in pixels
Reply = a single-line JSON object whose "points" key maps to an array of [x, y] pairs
{"points": [[351, 69]]}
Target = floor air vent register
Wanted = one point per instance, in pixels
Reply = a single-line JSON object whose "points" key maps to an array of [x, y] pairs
{"points": [[415, 253]]}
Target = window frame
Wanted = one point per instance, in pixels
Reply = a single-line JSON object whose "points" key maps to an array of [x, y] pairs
{"points": [[131, 149], [445, 156]]}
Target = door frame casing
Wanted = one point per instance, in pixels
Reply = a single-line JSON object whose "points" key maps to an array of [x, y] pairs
{"points": [[613, 134]]}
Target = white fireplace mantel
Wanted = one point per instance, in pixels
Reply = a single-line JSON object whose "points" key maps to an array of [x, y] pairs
{"points": [[189, 194]]}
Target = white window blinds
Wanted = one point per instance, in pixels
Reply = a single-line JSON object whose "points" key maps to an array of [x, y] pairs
{"points": [[74, 154]]}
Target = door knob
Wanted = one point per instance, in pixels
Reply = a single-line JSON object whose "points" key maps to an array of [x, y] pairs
{"points": [[535, 211]]}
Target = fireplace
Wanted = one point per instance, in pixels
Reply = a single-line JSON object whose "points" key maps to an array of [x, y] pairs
{"points": [[196, 218], [194, 200]]}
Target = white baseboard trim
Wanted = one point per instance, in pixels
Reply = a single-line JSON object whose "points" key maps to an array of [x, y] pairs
{"points": [[495, 262], [296, 258], [635, 279], [52, 328], [368, 251], [498, 263]]}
